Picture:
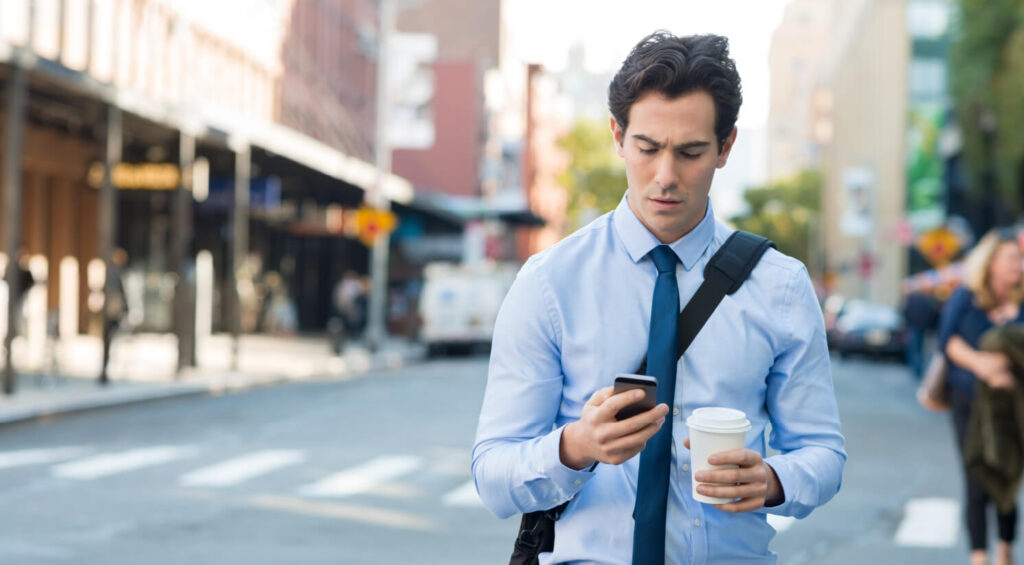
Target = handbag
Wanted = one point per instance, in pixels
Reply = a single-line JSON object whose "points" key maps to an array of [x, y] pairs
{"points": [[933, 394], [724, 274]]}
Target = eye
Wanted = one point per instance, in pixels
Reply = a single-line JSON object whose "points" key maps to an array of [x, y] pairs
{"points": [[647, 151], [686, 155]]}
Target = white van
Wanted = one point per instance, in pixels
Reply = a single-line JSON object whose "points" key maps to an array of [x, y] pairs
{"points": [[459, 303]]}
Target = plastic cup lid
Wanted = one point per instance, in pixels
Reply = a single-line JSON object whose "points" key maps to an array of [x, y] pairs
{"points": [[718, 419]]}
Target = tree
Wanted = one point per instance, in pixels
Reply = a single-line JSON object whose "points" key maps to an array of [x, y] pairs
{"points": [[784, 212], [596, 177], [987, 78]]}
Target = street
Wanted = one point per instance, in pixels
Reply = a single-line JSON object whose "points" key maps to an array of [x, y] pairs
{"points": [[376, 470]]}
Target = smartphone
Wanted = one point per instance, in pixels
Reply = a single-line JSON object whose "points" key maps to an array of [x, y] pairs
{"points": [[624, 382]]}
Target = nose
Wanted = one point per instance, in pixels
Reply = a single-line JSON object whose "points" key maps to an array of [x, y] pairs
{"points": [[665, 173]]}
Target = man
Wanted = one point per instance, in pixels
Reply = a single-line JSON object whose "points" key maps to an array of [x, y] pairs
{"points": [[581, 312]]}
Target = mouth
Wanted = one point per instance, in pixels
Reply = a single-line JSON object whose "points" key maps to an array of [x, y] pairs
{"points": [[664, 203]]}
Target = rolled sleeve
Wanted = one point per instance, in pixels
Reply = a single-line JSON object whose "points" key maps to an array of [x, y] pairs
{"points": [[516, 464], [802, 407]]}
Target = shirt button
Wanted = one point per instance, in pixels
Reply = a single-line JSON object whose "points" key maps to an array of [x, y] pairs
{"points": [[577, 482], [675, 411], [686, 468], [697, 522]]}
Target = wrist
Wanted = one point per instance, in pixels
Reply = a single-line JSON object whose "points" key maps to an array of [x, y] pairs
{"points": [[569, 451], [774, 495]]}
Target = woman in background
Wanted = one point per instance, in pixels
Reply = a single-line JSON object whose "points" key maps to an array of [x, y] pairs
{"points": [[991, 296]]}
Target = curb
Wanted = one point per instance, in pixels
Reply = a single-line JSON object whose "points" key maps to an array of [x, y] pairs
{"points": [[203, 382]]}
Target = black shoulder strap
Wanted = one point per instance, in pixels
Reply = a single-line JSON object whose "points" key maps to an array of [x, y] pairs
{"points": [[724, 274]]}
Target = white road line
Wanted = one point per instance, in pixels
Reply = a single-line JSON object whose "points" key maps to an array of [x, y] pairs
{"points": [[780, 523], [239, 469], [104, 465], [465, 495], [364, 477], [37, 456], [929, 522]]}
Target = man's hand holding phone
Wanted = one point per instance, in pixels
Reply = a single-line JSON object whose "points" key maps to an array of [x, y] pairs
{"points": [[599, 436]]}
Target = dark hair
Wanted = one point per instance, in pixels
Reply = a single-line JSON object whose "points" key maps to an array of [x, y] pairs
{"points": [[675, 66]]}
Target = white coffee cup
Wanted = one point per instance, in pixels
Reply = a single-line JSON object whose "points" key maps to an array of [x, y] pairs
{"points": [[712, 430]]}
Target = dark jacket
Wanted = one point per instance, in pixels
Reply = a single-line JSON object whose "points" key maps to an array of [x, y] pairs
{"points": [[994, 448]]}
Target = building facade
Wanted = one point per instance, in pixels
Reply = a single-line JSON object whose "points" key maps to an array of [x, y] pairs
{"points": [[165, 129]]}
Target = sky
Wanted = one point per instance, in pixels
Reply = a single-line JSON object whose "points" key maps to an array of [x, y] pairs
{"points": [[539, 32]]}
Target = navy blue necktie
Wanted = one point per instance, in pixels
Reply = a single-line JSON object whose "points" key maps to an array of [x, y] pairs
{"points": [[652, 484]]}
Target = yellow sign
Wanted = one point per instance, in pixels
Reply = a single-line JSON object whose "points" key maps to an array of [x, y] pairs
{"points": [[938, 246], [372, 223], [142, 176]]}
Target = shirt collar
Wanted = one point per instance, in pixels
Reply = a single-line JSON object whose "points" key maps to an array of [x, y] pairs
{"points": [[639, 241]]}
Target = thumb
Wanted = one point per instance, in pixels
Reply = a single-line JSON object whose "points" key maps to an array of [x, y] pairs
{"points": [[686, 443]]}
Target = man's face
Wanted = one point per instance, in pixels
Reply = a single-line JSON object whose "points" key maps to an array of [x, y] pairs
{"points": [[671, 154]]}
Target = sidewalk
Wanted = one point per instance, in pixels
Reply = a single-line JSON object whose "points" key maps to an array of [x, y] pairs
{"points": [[62, 377]]}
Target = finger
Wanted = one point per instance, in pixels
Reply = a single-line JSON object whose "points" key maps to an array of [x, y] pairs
{"points": [[686, 443], [733, 476], [599, 397], [641, 420], [741, 457], [742, 505], [734, 492], [632, 443], [619, 401]]}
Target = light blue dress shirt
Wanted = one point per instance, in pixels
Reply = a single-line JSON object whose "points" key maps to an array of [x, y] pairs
{"points": [[578, 314]]}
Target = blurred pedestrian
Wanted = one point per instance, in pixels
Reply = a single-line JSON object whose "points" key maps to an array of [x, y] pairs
{"points": [[920, 314], [26, 281], [115, 308], [590, 307], [349, 303], [991, 296]]}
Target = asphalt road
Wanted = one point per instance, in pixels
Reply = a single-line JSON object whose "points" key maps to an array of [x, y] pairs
{"points": [[377, 471]]}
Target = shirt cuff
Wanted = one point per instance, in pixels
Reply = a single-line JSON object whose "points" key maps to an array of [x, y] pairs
{"points": [[786, 482], [567, 481]]}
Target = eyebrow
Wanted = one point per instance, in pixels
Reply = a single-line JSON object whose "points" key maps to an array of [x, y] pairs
{"points": [[680, 147]]}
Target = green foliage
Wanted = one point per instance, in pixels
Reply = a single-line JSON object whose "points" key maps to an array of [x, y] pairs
{"points": [[784, 212], [596, 178], [987, 79]]}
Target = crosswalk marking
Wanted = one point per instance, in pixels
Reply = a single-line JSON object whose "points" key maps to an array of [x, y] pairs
{"points": [[465, 495], [363, 477], [104, 465], [241, 469], [38, 456], [929, 522]]}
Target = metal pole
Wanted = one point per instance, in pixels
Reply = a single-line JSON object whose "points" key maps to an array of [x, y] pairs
{"points": [[17, 92], [376, 330], [184, 322], [108, 220], [239, 242]]}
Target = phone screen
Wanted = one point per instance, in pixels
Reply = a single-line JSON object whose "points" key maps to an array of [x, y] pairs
{"points": [[624, 382]]}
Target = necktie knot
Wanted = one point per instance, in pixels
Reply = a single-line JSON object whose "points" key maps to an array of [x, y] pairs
{"points": [[664, 259]]}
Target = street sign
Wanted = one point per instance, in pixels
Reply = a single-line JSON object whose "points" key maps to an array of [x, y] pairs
{"points": [[372, 223], [939, 246]]}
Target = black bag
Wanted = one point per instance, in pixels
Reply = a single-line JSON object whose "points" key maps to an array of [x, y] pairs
{"points": [[724, 274]]}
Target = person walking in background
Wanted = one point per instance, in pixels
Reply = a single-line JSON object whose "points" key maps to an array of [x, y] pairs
{"points": [[920, 314], [115, 308], [991, 296]]}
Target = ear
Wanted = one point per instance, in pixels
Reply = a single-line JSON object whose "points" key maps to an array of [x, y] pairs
{"points": [[726, 148], [617, 133]]}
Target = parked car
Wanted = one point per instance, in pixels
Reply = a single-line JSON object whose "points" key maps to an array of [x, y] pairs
{"points": [[863, 327]]}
